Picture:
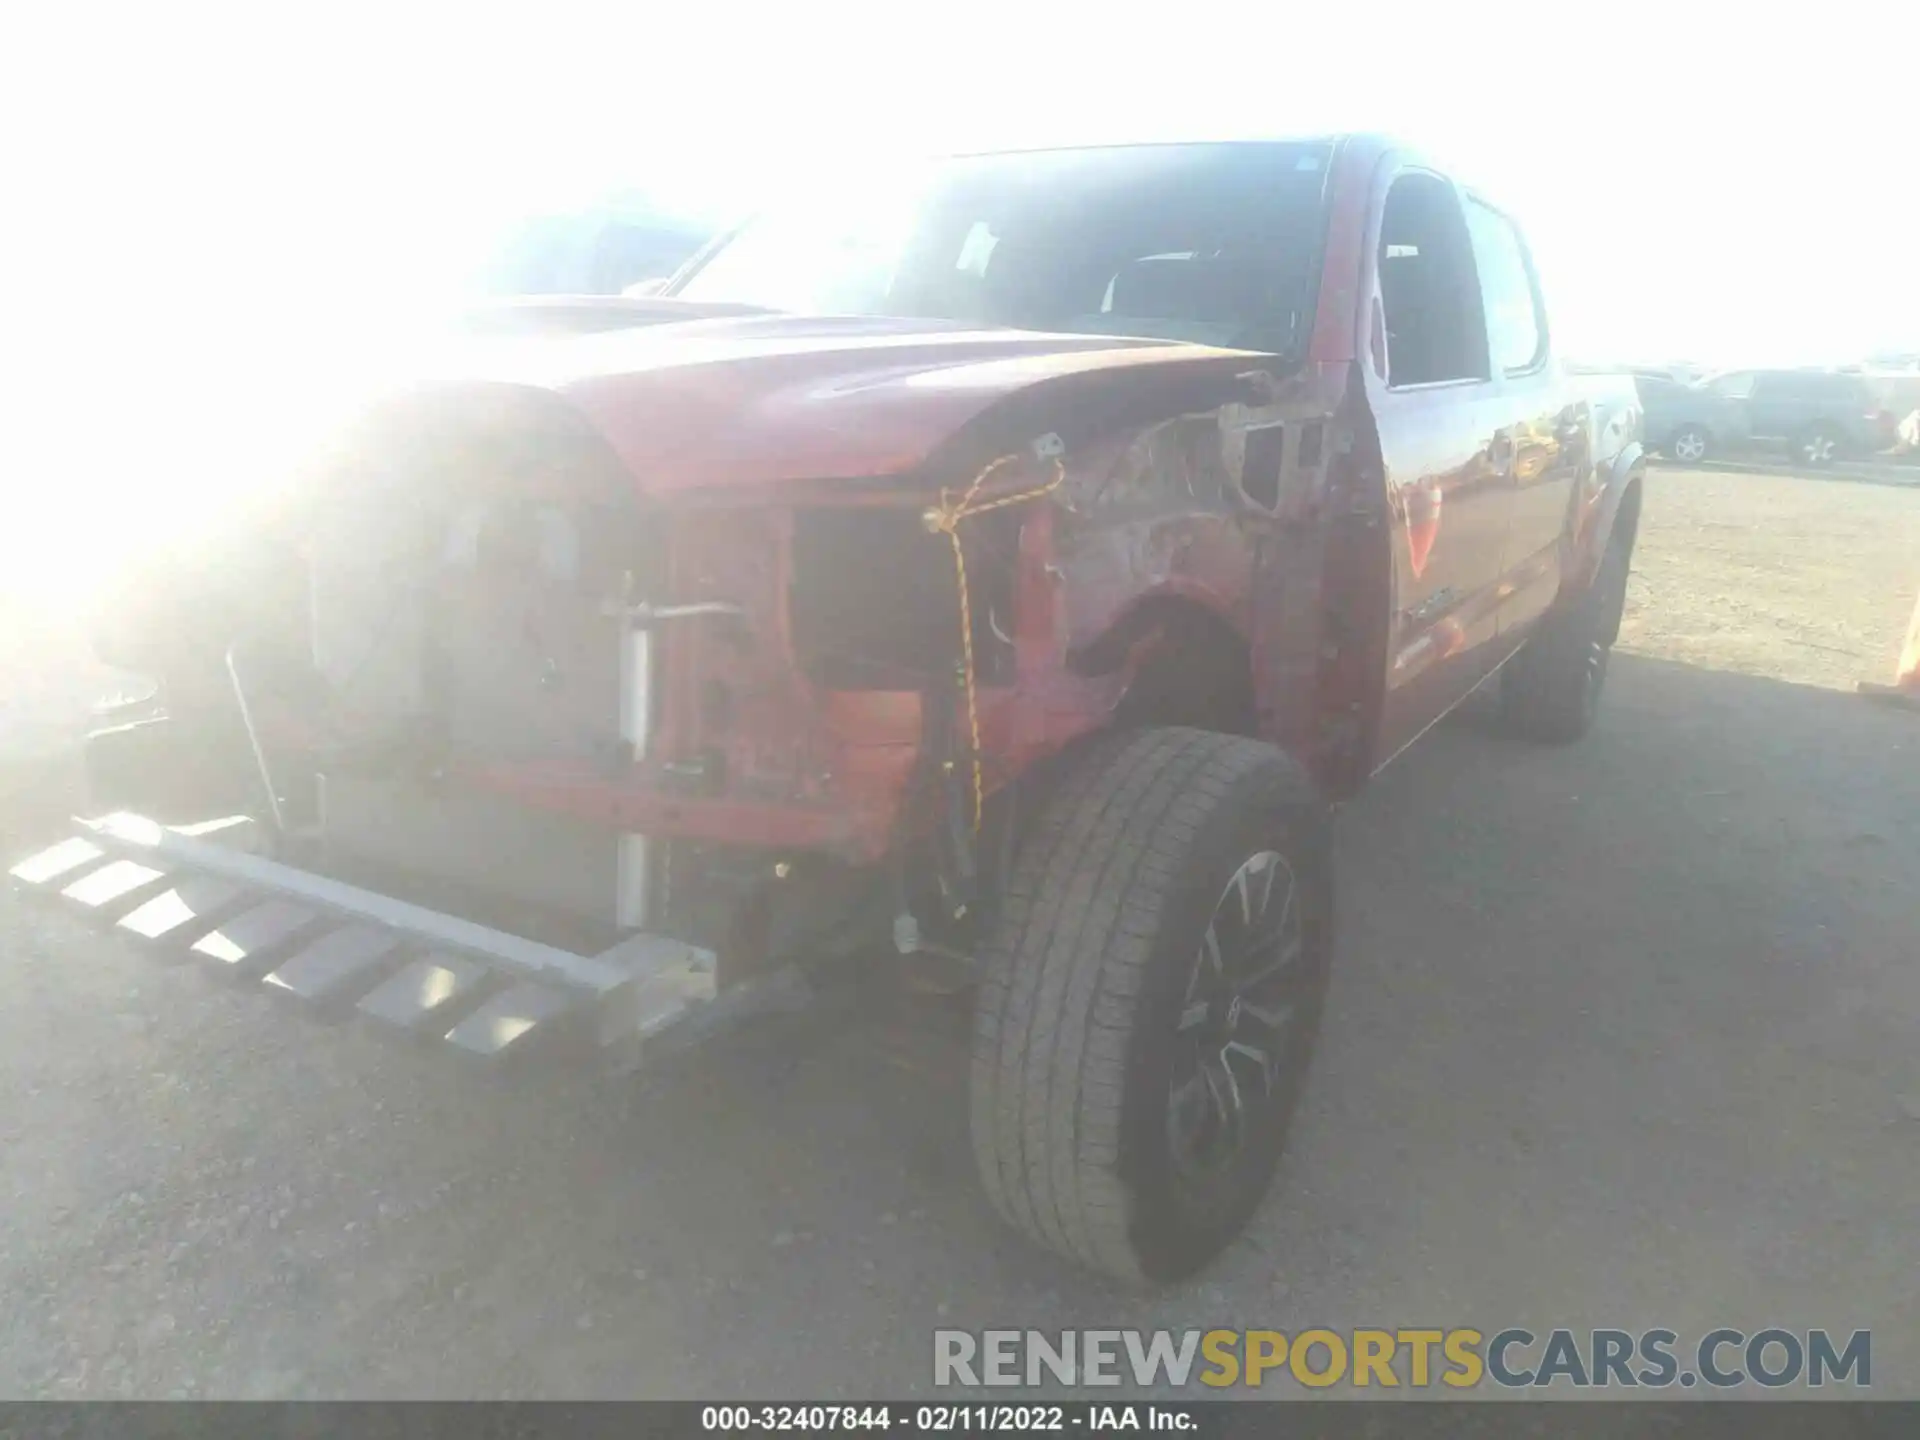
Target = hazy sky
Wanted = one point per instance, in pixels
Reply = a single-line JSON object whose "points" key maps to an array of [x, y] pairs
{"points": [[1699, 179], [200, 187]]}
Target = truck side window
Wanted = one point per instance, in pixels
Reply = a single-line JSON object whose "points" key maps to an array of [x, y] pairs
{"points": [[1428, 286], [1515, 333]]}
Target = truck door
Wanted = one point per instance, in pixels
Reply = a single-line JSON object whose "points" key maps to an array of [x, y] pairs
{"points": [[1546, 429], [1440, 421]]}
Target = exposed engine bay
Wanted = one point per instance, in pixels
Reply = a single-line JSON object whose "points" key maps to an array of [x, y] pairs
{"points": [[498, 667]]}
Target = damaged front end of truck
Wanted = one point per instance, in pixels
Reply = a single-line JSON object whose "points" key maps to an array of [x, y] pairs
{"points": [[574, 697], [634, 652]]}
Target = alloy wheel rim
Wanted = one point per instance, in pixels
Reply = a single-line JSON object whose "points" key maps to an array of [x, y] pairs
{"points": [[1237, 1023], [1689, 447]]}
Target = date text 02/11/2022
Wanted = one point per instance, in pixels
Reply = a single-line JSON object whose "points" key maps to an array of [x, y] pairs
{"points": [[946, 1419]]}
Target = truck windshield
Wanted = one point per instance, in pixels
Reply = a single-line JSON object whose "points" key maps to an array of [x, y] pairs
{"points": [[1217, 244]]}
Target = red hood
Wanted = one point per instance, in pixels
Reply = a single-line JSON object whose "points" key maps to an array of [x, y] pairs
{"points": [[758, 400]]}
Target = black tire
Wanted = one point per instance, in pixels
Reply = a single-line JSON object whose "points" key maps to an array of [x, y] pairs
{"points": [[1550, 691], [1689, 445], [1099, 999], [1818, 446]]}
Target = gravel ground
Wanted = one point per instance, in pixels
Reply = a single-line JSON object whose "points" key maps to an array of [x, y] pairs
{"points": [[1623, 1035]]}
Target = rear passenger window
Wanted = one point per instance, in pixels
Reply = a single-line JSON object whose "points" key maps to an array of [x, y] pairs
{"points": [[1516, 336], [1428, 291]]}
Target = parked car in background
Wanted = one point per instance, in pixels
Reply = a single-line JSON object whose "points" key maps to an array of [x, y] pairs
{"points": [[1686, 422], [1819, 415]]}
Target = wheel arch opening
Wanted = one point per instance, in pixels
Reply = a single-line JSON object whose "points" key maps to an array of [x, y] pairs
{"points": [[1194, 668], [1626, 521]]}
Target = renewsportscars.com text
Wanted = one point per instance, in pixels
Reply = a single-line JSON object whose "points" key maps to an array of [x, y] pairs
{"points": [[1459, 1359]]}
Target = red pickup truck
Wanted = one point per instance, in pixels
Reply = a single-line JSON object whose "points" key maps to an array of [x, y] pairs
{"points": [[1003, 566]]}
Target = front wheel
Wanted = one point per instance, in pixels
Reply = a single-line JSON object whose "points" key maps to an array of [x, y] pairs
{"points": [[1151, 996]]}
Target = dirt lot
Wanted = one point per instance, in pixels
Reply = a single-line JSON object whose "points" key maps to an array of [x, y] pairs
{"points": [[1622, 1036], [1809, 581]]}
